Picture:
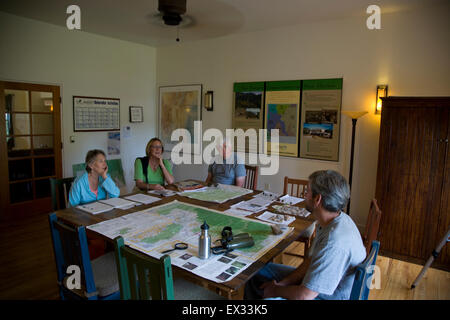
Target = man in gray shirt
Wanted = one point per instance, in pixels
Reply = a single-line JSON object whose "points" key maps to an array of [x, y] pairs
{"points": [[229, 169], [337, 249]]}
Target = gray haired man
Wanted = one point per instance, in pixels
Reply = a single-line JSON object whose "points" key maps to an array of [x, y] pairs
{"points": [[337, 249]]}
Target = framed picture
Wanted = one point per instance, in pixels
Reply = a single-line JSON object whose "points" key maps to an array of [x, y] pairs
{"points": [[136, 114], [96, 114], [179, 107]]}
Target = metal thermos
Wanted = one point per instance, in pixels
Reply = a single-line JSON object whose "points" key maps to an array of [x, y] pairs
{"points": [[204, 242]]}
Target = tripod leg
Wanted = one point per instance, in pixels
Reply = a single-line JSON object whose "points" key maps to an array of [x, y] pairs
{"points": [[430, 260]]}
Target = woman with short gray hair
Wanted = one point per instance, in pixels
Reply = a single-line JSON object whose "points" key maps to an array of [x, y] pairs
{"points": [[95, 184]]}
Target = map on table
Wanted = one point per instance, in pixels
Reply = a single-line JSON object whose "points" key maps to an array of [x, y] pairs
{"points": [[156, 229], [220, 194]]}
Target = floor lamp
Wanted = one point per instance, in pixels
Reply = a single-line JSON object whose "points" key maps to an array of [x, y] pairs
{"points": [[354, 115]]}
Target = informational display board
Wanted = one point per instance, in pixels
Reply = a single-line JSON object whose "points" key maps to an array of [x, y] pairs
{"points": [[248, 113], [282, 112], [96, 114], [306, 114], [321, 118]]}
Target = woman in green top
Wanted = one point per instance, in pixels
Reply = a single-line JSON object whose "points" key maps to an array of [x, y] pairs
{"points": [[151, 171]]}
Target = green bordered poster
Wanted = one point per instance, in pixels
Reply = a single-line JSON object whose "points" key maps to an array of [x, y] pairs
{"points": [[321, 113], [248, 115], [282, 108]]}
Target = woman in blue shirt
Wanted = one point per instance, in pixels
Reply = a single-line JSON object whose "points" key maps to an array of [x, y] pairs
{"points": [[95, 183]]}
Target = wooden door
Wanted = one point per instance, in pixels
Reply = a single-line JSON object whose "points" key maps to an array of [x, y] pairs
{"points": [[410, 176], [30, 139]]}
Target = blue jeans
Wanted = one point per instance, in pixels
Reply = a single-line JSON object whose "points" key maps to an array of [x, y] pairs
{"points": [[271, 271]]}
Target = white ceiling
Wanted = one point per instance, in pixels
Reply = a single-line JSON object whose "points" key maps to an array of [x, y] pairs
{"points": [[135, 21]]}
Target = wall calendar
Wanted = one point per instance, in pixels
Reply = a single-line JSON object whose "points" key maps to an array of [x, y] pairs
{"points": [[96, 114]]}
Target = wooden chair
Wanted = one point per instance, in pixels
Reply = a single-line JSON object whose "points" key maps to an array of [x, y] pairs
{"points": [[364, 273], [97, 278], [60, 192], [145, 269], [251, 178], [135, 265], [372, 225], [297, 188]]}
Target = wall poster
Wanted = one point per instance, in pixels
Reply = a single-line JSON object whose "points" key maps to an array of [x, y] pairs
{"points": [[248, 112], [321, 118], [282, 111]]}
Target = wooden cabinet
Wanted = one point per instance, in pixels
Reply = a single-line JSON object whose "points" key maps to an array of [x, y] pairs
{"points": [[413, 178]]}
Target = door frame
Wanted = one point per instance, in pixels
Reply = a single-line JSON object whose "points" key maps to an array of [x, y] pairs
{"points": [[36, 205]]}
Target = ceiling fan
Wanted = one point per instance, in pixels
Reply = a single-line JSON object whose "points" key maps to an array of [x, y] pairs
{"points": [[172, 13]]}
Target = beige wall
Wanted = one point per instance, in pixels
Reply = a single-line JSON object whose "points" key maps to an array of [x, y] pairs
{"points": [[410, 54], [87, 65]]}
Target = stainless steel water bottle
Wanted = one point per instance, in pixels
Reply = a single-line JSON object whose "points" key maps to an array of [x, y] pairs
{"points": [[204, 242]]}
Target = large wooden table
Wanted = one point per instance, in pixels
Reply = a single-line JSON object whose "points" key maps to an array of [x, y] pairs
{"points": [[230, 289]]}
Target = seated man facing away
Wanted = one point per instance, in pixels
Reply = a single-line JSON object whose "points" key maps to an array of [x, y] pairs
{"points": [[228, 168], [337, 249]]}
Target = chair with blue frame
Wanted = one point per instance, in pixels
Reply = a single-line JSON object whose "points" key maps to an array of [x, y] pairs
{"points": [[364, 273], [98, 278]]}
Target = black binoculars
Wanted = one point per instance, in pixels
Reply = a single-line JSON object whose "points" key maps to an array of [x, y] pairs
{"points": [[229, 242]]}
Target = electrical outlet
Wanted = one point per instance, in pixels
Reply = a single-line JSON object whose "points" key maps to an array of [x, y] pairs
{"points": [[267, 186]]}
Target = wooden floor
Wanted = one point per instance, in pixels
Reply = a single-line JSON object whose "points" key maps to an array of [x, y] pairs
{"points": [[27, 267], [396, 279]]}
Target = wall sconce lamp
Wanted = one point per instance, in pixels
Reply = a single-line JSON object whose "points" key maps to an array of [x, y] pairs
{"points": [[382, 92], [209, 101]]}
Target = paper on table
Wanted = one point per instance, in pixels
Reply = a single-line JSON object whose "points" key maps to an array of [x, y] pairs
{"points": [[142, 198], [119, 203], [196, 190], [237, 212], [288, 209], [290, 199], [268, 195], [164, 193], [251, 207], [276, 218], [95, 207]]}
